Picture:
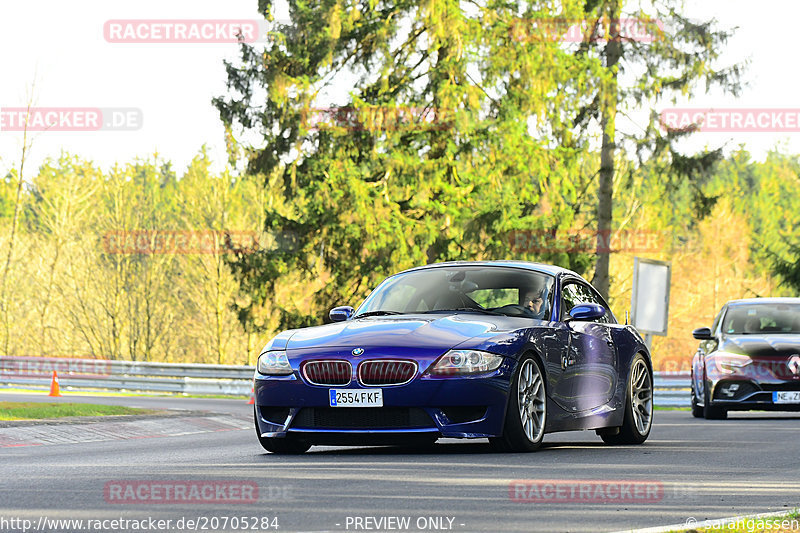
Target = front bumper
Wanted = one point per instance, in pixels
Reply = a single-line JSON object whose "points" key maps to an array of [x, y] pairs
{"points": [[745, 394], [427, 407]]}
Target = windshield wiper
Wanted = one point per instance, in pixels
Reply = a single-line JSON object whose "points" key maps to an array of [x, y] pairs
{"points": [[470, 309], [378, 313]]}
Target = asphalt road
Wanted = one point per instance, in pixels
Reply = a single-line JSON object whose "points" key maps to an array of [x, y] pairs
{"points": [[688, 468]]}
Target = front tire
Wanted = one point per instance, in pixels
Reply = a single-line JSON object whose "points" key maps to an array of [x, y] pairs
{"points": [[526, 414], [281, 446], [638, 417], [711, 412], [697, 410]]}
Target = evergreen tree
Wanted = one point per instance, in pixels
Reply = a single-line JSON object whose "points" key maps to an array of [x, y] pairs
{"points": [[643, 57], [442, 148]]}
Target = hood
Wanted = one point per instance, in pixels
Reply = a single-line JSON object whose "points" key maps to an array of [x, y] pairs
{"points": [[759, 345], [410, 331]]}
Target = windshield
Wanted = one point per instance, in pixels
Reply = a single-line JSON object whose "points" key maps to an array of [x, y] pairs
{"points": [[495, 290], [762, 318]]}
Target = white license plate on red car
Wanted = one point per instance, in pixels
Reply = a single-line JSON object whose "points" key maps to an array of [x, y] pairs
{"points": [[786, 397], [356, 398]]}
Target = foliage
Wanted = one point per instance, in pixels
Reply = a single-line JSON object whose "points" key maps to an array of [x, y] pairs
{"points": [[448, 144], [70, 294], [73, 291]]}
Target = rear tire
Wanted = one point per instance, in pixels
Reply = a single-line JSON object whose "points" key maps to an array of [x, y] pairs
{"points": [[526, 413], [281, 446], [638, 417]]}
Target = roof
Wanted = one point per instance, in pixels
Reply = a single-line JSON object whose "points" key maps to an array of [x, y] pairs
{"points": [[528, 265], [781, 300]]}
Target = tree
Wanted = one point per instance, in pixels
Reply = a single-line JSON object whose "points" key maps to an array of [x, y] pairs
{"points": [[766, 194], [444, 146], [18, 177], [61, 195], [789, 269], [150, 299], [680, 57], [225, 207]]}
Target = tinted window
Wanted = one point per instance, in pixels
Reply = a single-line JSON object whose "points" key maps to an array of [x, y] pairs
{"points": [[512, 291], [762, 318], [716, 321], [495, 297], [575, 293], [570, 297]]}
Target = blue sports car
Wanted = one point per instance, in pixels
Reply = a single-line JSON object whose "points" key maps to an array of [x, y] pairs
{"points": [[505, 350]]}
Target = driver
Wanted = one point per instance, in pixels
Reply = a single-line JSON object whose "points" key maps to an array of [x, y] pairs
{"points": [[533, 299]]}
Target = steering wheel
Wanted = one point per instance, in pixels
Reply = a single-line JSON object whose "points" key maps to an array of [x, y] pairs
{"points": [[514, 310]]}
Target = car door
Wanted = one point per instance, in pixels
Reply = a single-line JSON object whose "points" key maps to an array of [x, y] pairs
{"points": [[556, 348], [590, 364]]}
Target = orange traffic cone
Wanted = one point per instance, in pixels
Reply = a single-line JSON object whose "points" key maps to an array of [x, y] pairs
{"points": [[252, 400], [54, 389]]}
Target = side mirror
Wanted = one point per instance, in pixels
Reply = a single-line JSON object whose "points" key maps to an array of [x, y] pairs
{"points": [[587, 312], [702, 334], [340, 314]]}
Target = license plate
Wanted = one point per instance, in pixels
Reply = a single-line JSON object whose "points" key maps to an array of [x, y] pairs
{"points": [[786, 397], [356, 398]]}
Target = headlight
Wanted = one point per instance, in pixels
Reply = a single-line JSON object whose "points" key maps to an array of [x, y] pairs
{"points": [[460, 362], [273, 363], [730, 363]]}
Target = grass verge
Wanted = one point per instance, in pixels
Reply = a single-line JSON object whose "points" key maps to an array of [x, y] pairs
{"points": [[37, 411]]}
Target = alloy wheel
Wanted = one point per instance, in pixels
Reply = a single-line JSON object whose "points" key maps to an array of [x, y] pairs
{"points": [[641, 396], [531, 400]]}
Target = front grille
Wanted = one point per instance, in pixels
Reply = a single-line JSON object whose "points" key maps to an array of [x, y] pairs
{"points": [[362, 418], [327, 372], [791, 386], [386, 372]]}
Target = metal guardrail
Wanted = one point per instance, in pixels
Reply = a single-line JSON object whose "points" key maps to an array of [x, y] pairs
{"points": [[133, 376], [671, 389]]}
